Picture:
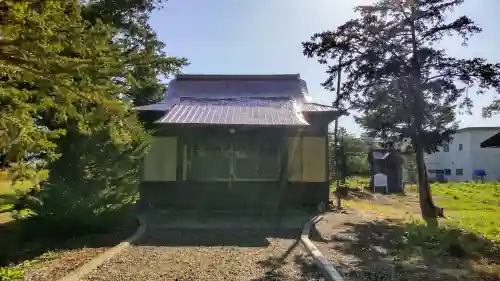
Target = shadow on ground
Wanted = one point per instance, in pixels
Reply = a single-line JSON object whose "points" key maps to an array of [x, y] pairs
{"points": [[305, 268], [7, 198], [232, 229], [26, 239], [394, 250], [214, 237], [240, 230], [358, 193], [7, 202]]}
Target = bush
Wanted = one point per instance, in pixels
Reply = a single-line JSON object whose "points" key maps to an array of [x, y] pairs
{"points": [[64, 210], [92, 181]]}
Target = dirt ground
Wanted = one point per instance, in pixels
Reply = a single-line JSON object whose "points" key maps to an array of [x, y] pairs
{"points": [[369, 241]]}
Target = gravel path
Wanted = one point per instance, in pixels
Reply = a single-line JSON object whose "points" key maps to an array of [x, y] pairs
{"points": [[212, 255]]}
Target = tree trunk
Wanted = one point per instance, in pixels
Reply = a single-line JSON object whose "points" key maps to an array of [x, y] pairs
{"points": [[427, 207]]}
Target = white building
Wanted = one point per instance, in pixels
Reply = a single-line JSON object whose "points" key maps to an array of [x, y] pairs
{"points": [[458, 160]]}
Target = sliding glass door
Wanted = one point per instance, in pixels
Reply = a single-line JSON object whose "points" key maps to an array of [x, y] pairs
{"points": [[234, 159], [256, 159], [210, 160]]}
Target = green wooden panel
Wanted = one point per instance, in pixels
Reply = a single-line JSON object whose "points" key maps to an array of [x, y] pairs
{"points": [[210, 160], [210, 167], [160, 163], [233, 158], [256, 159]]}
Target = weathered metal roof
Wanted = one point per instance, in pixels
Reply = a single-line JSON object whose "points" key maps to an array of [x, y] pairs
{"points": [[159, 106], [242, 111], [211, 86], [165, 105], [237, 76], [315, 107], [236, 100]]}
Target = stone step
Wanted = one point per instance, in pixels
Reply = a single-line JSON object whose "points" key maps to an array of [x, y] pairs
{"points": [[183, 220]]}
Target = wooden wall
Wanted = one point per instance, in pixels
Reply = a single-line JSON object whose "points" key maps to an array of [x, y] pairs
{"points": [[160, 163], [307, 159]]}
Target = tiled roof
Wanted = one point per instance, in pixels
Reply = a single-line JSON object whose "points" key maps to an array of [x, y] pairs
{"points": [[241, 111]]}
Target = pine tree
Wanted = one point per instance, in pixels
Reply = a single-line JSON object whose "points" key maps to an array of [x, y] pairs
{"points": [[146, 60], [399, 78], [53, 68]]}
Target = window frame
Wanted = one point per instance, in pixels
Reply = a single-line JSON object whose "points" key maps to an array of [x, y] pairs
{"points": [[461, 172], [192, 157], [257, 158], [446, 148], [231, 157]]}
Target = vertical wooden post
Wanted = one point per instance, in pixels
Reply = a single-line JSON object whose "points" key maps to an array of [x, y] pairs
{"points": [[283, 170]]}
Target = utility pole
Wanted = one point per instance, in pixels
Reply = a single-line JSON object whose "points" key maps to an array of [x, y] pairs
{"points": [[336, 104], [344, 157]]}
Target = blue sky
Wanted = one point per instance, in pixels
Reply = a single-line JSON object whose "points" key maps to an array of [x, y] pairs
{"points": [[264, 37]]}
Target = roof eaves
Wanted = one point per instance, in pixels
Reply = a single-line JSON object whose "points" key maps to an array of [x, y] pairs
{"points": [[477, 129], [183, 77]]}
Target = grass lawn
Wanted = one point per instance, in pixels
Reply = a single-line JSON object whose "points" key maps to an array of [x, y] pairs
{"points": [[8, 195], [472, 221], [474, 207]]}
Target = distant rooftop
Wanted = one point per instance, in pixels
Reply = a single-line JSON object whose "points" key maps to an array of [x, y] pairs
{"points": [[477, 129]]}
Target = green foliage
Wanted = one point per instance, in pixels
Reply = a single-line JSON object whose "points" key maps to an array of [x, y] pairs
{"points": [[353, 151], [12, 192], [17, 272], [356, 152], [421, 240], [11, 273], [64, 211], [358, 182], [396, 75], [148, 61], [70, 74], [56, 70]]}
